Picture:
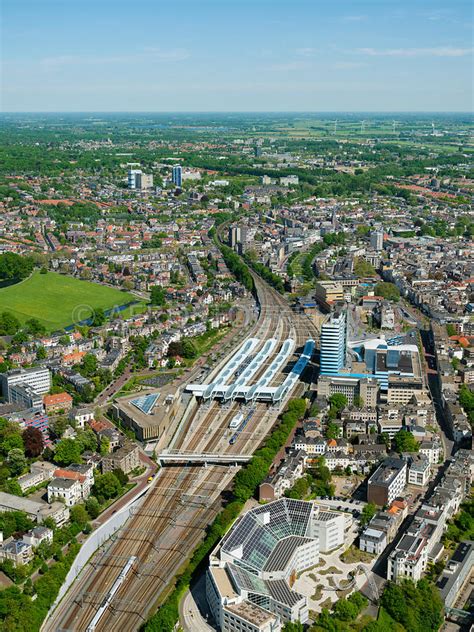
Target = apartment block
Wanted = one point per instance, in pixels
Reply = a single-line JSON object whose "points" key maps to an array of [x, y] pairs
{"points": [[387, 482]]}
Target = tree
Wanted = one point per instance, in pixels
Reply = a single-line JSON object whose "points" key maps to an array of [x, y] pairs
{"points": [[92, 507], [87, 440], [10, 436], [404, 441], [13, 487], [451, 329], [157, 296], [332, 431], [300, 489], [88, 365], [121, 476], [345, 610], [107, 486], [338, 401], [367, 513], [59, 425], [98, 317], [79, 515], [293, 627], [68, 451], [104, 446], [189, 349], [16, 461], [14, 268], [389, 291], [418, 607], [33, 440], [363, 268], [41, 353], [35, 327], [9, 324], [359, 401]]}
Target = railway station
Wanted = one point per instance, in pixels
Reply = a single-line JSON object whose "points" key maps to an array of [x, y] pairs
{"points": [[234, 381]]}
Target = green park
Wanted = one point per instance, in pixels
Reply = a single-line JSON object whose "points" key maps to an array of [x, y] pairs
{"points": [[58, 301]]}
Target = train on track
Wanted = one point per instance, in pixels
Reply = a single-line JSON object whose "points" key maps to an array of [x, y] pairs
{"points": [[236, 421], [243, 423]]}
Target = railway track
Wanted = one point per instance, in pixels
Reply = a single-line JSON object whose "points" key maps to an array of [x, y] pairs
{"points": [[164, 530]]}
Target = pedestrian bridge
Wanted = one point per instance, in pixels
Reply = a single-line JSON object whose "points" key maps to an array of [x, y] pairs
{"points": [[175, 457]]}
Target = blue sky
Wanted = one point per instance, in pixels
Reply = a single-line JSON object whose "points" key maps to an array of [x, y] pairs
{"points": [[237, 55]]}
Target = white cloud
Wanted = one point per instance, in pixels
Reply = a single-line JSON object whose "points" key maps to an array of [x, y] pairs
{"points": [[306, 52], [146, 53], [439, 51]]}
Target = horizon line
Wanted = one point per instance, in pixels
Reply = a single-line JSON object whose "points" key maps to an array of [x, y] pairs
{"points": [[9, 112]]}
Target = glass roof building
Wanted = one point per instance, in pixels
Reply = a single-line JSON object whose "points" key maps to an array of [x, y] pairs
{"points": [[146, 403], [261, 555]]}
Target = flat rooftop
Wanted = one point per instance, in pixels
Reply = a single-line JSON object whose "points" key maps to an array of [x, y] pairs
{"points": [[159, 411], [222, 581], [386, 473], [15, 503], [250, 612]]}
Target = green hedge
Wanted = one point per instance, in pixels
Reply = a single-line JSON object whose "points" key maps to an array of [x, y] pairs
{"points": [[246, 483]]}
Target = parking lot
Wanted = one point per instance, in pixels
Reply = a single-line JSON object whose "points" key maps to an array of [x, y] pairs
{"points": [[342, 504]]}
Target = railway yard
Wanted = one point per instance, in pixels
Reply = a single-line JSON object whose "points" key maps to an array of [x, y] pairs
{"points": [[128, 576]]}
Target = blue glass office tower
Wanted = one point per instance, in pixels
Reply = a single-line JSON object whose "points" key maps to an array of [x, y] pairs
{"points": [[333, 344], [177, 176]]}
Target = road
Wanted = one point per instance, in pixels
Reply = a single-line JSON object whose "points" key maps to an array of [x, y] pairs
{"points": [[181, 502]]}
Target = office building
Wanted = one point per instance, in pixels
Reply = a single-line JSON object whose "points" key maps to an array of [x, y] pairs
{"points": [[143, 181], [327, 293], [384, 360], [177, 176], [132, 177], [351, 387], [39, 379], [387, 482], [376, 240], [419, 471], [250, 575], [25, 396], [329, 526], [401, 389], [457, 573], [333, 344]]}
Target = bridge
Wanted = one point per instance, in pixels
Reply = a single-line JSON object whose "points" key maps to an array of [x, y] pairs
{"points": [[182, 456]]}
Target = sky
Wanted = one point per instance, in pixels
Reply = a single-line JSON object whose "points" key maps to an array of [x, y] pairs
{"points": [[236, 55]]}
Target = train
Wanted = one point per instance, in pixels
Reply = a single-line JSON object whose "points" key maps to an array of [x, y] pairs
{"points": [[242, 425], [236, 421]]}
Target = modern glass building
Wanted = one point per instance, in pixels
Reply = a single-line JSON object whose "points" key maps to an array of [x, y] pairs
{"points": [[177, 175], [333, 344]]}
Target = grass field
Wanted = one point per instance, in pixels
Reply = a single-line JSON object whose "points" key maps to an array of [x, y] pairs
{"points": [[58, 301]]}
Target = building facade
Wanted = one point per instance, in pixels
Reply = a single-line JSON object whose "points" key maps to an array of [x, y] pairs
{"points": [[333, 344]]}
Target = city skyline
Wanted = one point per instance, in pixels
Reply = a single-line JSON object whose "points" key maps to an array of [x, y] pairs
{"points": [[237, 57]]}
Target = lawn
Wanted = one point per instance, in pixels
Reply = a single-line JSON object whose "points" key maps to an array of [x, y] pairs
{"points": [[58, 301]]}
